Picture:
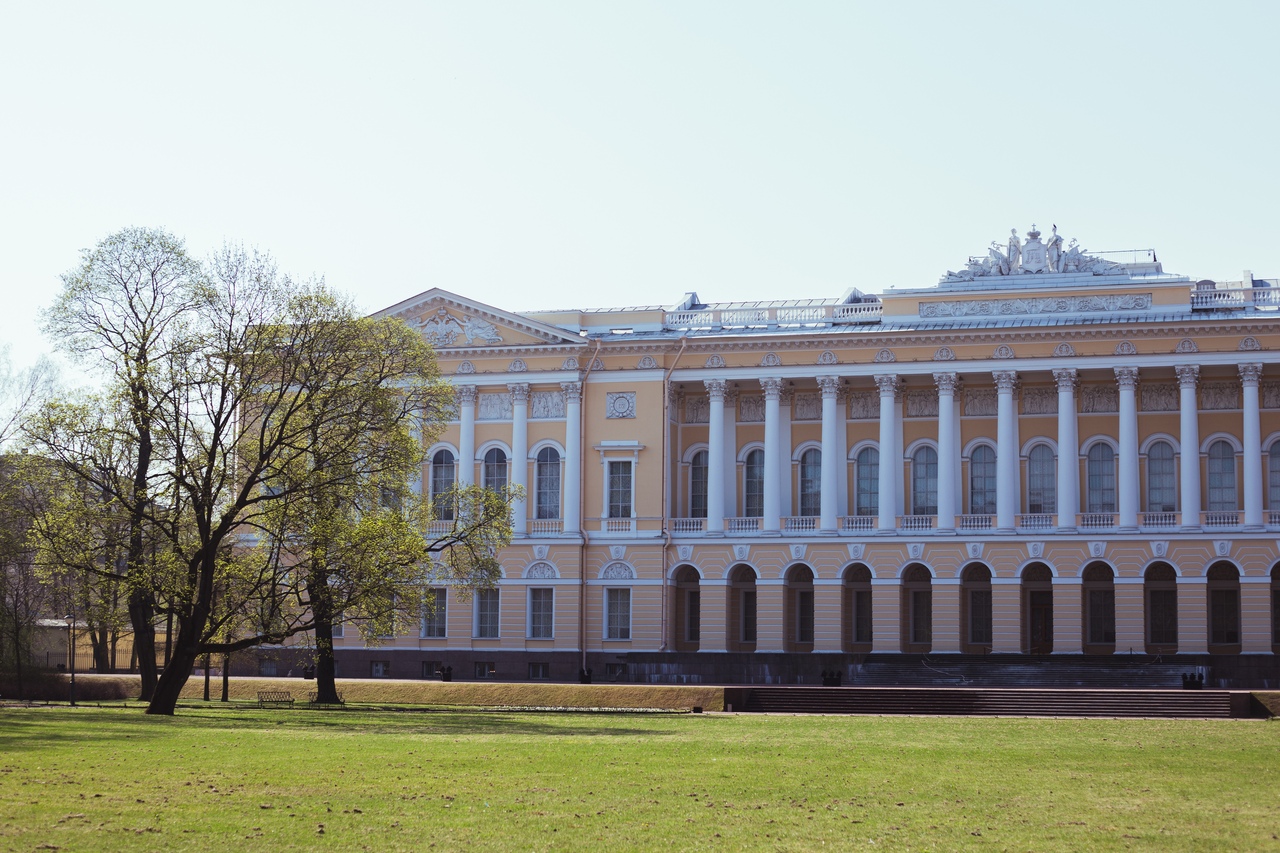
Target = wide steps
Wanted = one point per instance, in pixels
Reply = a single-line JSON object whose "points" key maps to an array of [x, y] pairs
{"points": [[991, 702]]}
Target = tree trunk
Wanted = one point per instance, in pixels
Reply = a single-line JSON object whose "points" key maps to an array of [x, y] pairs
{"points": [[141, 615], [226, 676], [322, 609], [169, 687]]}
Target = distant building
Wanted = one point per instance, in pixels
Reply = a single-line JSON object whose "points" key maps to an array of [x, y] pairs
{"points": [[1045, 453]]}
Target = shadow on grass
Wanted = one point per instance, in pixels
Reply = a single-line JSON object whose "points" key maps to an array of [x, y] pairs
{"points": [[41, 728]]}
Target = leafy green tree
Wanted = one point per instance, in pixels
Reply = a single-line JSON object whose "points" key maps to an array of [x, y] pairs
{"points": [[273, 414]]}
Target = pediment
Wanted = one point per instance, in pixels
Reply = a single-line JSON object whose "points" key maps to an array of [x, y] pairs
{"points": [[452, 322]]}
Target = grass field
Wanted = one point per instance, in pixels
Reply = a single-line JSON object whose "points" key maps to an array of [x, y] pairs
{"points": [[239, 779]]}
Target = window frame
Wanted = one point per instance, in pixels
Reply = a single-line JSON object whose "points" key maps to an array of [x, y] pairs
{"points": [[924, 480], [866, 482], [982, 480], [617, 613], [436, 617], [540, 615], [1162, 478], [753, 483], [548, 484], [487, 614], [494, 474], [1042, 480], [442, 478], [1100, 478]]}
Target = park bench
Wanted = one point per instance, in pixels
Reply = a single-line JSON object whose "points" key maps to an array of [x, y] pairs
{"points": [[277, 698]]}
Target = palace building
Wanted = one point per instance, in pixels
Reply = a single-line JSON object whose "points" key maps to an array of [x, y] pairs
{"points": [[1043, 454]]}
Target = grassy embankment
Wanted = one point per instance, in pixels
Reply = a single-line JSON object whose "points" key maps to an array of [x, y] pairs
{"points": [[220, 777]]}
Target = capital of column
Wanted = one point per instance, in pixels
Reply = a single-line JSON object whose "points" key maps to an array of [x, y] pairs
{"points": [[466, 394], [829, 385], [948, 383], [888, 385], [572, 391], [772, 387], [1066, 378], [1006, 380], [1188, 374], [1250, 374], [716, 388], [1127, 377], [519, 392]]}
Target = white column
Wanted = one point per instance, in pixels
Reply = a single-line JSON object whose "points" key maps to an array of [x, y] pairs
{"points": [[772, 487], [572, 456], [1251, 435], [715, 457], [842, 451], [1128, 485], [890, 465], [947, 383], [520, 453], [1068, 451], [831, 459], [467, 435], [731, 452], [1006, 453], [1189, 449], [786, 466]]}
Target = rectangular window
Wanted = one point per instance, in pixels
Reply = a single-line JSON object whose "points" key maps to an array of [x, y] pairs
{"points": [[980, 617], [539, 671], [804, 616], [617, 614], [868, 482], [431, 669], [486, 669], [753, 485], [433, 615], [1102, 616], [541, 613], [619, 489], [811, 483], [862, 616], [487, 614], [922, 616], [698, 486], [1275, 616], [1224, 616], [339, 630], [1162, 617], [380, 669], [693, 616], [547, 484], [748, 616], [615, 671], [1162, 489]]}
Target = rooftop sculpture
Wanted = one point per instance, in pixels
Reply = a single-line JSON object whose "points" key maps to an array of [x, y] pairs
{"points": [[1033, 257]]}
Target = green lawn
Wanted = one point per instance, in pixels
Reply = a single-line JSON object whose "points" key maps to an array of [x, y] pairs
{"points": [[238, 779]]}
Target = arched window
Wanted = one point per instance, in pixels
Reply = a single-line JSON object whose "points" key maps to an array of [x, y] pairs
{"points": [[495, 469], [1222, 478], [753, 484], [867, 481], [924, 482], [1042, 480], [546, 483], [811, 482], [1100, 476], [1162, 490], [698, 485], [1273, 476], [443, 472], [982, 481]]}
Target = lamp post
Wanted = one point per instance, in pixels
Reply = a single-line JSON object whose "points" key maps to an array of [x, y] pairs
{"points": [[72, 620]]}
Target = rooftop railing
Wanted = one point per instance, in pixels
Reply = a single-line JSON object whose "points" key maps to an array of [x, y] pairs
{"points": [[767, 316]]}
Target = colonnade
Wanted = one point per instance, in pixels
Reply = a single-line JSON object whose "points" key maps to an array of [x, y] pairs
{"points": [[777, 455]]}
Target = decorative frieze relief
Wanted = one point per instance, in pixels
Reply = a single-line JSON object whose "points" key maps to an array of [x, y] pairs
{"points": [[1126, 348], [1064, 350], [494, 407], [980, 402], [751, 409], [806, 407], [1186, 345], [828, 357], [1003, 351], [1036, 305], [1158, 397], [920, 403], [944, 354], [466, 367], [620, 404], [697, 410], [1039, 401], [715, 361], [1216, 396], [547, 404], [770, 360], [569, 363], [885, 356], [1270, 395], [864, 406], [1249, 344], [647, 363], [1099, 399]]}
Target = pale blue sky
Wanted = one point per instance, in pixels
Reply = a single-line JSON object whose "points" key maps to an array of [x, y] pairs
{"points": [[557, 154]]}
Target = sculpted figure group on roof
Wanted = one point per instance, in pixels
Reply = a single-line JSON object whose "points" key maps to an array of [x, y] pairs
{"points": [[1033, 256]]}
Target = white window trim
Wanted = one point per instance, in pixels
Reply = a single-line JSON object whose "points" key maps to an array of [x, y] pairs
{"points": [[608, 614]]}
